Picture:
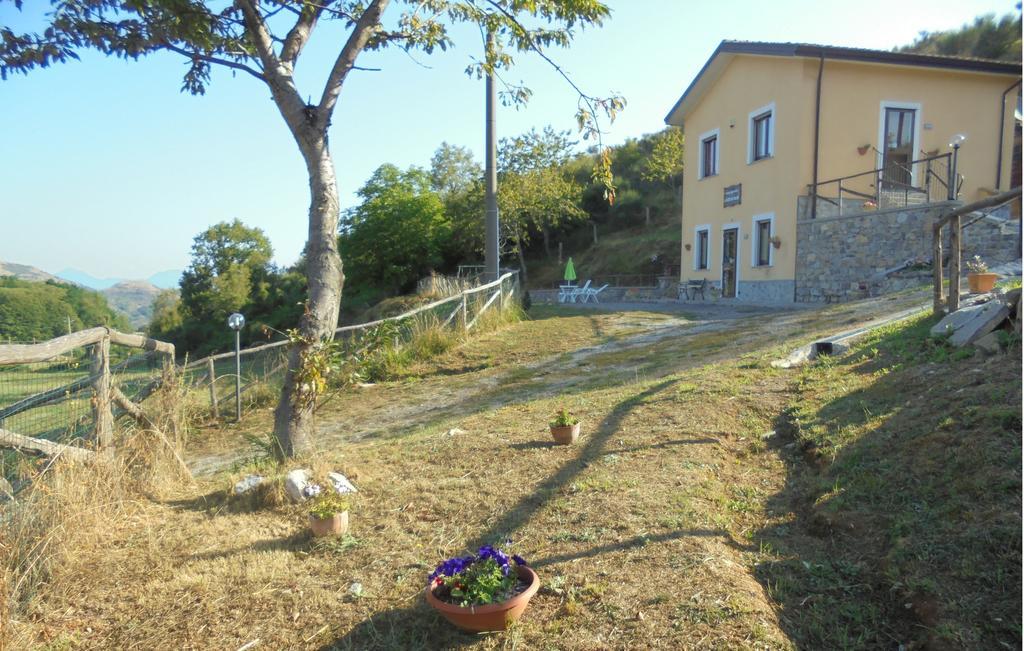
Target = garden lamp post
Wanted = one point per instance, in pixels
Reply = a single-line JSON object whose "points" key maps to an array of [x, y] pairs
{"points": [[236, 322], [955, 143]]}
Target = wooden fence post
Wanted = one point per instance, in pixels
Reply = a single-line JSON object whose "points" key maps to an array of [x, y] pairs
{"points": [[103, 418], [213, 389], [465, 313], [954, 265]]}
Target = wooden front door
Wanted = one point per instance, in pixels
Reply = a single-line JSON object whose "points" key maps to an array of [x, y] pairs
{"points": [[729, 238], [898, 148]]}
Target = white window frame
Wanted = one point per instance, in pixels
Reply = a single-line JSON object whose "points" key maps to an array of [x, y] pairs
{"points": [[716, 133], [914, 106], [756, 245], [739, 254], [756, 113], [706, 228]]}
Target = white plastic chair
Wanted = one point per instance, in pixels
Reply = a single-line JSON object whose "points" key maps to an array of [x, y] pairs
{"points": [[592, 293], [579, 292], [564, 292]]}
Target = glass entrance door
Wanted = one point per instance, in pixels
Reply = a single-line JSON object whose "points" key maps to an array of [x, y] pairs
{"points": [[729, 238], [898, 148]]}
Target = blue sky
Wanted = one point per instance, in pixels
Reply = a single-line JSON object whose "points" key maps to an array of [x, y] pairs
{"points": [[108, 168]]}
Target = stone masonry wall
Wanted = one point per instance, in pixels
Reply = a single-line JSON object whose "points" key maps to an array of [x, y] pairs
{"points": [[842, 258]]}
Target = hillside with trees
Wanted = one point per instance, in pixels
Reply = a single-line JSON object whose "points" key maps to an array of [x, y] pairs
{"points": [[36, 311], [986, 38]]}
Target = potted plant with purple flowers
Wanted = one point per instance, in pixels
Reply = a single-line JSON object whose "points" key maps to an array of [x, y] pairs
{"points": [[328, 511], [482, 592]]}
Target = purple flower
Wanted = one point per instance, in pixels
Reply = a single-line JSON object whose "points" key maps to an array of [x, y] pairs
{"points": [[311, 490], [452, 566], [518, 559]]}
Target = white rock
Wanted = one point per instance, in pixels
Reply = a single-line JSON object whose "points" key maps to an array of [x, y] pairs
{"points": [[455, 431], [341, 483], [356, 589], [248, 483], [294, 482]]}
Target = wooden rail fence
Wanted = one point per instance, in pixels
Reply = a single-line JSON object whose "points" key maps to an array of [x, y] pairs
{"points": [[466, 308], [104, 392]]}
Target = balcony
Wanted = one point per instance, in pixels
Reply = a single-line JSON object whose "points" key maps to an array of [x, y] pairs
{"points": [[894, 185]]}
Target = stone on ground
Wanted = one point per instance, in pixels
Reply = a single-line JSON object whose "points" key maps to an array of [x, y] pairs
{"points": [[967, 325], [341, 483], [248, 483], [294, 482], [989, 343]]}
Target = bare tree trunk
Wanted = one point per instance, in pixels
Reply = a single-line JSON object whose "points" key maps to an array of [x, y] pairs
{"points": [[546, 232], [293, 418], [522, 257]]}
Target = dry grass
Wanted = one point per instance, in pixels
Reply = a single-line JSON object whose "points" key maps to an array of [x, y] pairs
{"points": [[655, 531]]}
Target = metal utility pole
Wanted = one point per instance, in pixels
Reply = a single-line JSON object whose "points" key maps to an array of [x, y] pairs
{"points": [[491, 252]]}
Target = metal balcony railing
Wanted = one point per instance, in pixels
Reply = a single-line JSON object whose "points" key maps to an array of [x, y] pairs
{"points": [[894, 185]]}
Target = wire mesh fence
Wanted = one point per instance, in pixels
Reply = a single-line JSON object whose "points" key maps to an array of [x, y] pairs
{"points": [[54, 399]]}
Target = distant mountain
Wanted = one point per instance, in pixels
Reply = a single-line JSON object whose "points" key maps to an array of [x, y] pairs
{"points": [[25, 272], [134, 299], [166, 279], [85, 280], [163, 279]]}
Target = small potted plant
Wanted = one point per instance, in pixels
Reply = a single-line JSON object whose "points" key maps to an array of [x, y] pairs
{"points": [[482, 592], [979, 280], [328, 511], [565, 428]]}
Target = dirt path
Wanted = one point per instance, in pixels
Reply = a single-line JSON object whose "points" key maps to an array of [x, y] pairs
{"points": [[626, 336]]}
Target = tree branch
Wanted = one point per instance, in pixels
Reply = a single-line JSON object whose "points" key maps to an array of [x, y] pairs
{"points": [[215, 60], [299, 35], [357, 40], [261, 38]]}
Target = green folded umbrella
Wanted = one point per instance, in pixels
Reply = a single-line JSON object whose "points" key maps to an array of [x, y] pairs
{"points": [[570, 271]]}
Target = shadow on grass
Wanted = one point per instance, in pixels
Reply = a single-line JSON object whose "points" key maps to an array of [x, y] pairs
{"points": [[299, 541], [635, 542], [417, 627], [904, 528], [521, 513]]}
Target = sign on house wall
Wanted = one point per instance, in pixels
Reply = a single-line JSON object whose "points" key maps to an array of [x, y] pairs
{"points": [[733, 195]]}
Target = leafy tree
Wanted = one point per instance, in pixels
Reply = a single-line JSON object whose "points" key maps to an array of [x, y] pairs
{"points": [[453, 170], [167, 317], [227, 259], [253, 38], [230, 271], [396, 235], [986, 38], [534, 192], [665, 162]]}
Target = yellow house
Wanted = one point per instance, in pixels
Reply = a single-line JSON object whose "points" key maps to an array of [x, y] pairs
{"points": [[781, 133]]}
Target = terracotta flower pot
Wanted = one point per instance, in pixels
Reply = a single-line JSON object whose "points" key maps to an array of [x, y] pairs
{"points": [[981, 283], [566, 435], [492, 617], [335, 525]]}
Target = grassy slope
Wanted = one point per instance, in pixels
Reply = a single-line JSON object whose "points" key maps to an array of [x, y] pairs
{"points": [[673, 524], [912, 523], [621, 252]]}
